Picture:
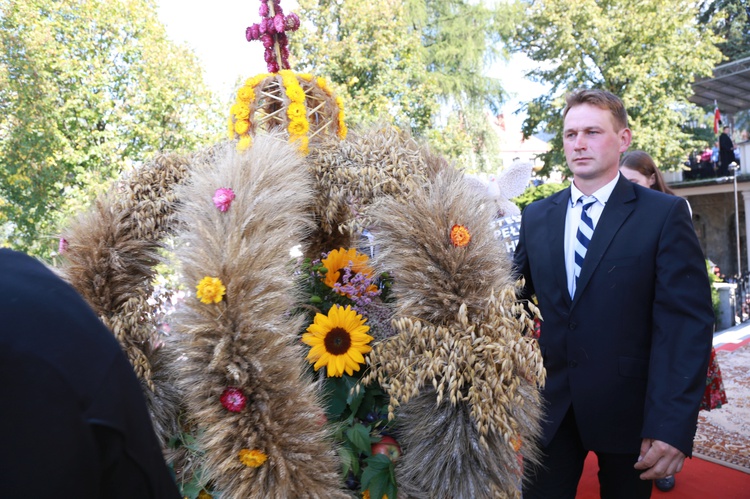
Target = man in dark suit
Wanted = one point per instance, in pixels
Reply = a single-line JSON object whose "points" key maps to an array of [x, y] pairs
{"points": [[623, 291], [74, 422], [726, 152]]}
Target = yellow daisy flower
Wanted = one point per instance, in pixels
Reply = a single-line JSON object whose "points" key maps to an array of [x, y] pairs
{"points": [[296, 94], [338, 341], [296, 110], [210, 290], [252, 458], [245, 94], [299, 126], [241, 126]]}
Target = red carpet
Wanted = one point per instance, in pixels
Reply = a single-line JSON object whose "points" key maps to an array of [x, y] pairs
{"points": [[698, 479]]}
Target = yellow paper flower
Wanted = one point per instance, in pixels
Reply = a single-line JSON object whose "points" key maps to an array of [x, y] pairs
{"points": [[242, 112], [230, 128], [296, 111], [296, 94], [338, 341], [245, 94], [241, 126], [339, 259], [252, 458], [460, 236], [323, 84], [305, 76], [210, 290], [204, 495], [245, 143], [299, 126]]}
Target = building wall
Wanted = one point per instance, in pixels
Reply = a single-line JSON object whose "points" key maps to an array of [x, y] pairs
{"points": [[714, 221]]}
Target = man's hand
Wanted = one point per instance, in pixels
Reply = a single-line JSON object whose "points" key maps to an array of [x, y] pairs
{"points": [[659, 459]]}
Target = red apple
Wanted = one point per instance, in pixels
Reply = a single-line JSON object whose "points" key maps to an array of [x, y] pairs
{"points": [[387, 446]]}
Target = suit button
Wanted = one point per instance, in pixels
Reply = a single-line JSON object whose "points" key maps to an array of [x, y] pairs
{"points": [[573, 363], [572, 325]]}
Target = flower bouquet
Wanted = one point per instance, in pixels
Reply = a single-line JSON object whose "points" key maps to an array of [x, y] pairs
{"points": [[347, 308]]}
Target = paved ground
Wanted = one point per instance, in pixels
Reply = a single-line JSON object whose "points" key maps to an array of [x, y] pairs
{"points": [[732, 338]]}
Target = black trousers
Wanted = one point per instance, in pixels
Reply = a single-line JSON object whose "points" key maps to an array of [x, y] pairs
{"points": [[558, 475]]}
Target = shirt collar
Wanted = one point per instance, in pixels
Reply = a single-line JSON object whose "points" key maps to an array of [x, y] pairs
{"points": [[601, 195]]}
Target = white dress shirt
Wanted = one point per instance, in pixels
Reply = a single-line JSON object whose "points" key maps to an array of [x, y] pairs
{"points": [[573, 218]]}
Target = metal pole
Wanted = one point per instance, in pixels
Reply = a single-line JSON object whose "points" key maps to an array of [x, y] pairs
{"points": [[739, 282], [737, 221]]}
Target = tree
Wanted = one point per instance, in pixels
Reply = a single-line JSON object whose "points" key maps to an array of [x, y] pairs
{"points": [[401, 60], [87, 88], [648, 52], [729, 20]]}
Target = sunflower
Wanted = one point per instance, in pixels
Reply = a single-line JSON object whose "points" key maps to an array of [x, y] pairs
{"points": [[338, 341], [339, 259]]}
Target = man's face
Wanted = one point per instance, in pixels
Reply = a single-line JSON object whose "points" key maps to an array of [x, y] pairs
{"points": [[592, 145]]}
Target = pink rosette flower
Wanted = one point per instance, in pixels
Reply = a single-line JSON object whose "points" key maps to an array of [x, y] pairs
{"points": [[62, 245], [233, 400], [291, 22], [223, 198], [278, 23]]}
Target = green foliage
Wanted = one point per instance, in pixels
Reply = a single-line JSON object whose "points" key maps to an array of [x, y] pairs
{"points": [[647, 52], [730, 21], [402, 61], [87, 88], [535, 193]]}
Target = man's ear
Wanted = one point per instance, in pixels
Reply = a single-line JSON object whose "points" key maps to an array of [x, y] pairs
{"points": [[625, 137]]}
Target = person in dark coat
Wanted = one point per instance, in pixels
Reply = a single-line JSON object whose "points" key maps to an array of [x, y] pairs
{"points": [[624, 295], [74, 422], [726, 152]]}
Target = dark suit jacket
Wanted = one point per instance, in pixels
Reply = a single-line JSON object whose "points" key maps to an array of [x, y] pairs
{"points": [[630, 351], [73, 421]]}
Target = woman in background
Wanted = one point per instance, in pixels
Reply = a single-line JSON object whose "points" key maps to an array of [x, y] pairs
{"points": [[639, 168]]}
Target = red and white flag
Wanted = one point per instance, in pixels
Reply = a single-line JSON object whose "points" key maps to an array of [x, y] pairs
{"points": [[717, 117]]}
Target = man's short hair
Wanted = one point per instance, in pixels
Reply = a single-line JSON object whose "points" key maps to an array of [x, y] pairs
{"points": [[601, 99]]}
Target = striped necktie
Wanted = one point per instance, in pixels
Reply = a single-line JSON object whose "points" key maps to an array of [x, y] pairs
{"points": [[583, 236]]}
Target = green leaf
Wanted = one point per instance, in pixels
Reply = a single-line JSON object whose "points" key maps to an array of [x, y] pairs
{"points": [[359, 436], [378, 476]]}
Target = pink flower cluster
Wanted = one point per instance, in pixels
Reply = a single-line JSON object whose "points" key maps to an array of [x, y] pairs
{"points": [[272, 30], [233, 399]]}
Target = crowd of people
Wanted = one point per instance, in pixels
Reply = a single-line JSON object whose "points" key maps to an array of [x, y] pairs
{"points": [[716, 161]]}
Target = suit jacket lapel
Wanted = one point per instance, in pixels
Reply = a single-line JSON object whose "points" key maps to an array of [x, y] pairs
{"points": [[556, 230], [616, 211]]}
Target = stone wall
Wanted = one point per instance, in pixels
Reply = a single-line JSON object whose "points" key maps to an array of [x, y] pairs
{"points": [[713, 218]]}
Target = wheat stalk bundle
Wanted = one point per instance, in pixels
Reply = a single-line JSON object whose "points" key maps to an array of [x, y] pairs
{"points": [[247, 341]]}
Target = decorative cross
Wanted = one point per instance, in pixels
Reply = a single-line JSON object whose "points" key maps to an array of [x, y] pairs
{"points": [[271, 31]]}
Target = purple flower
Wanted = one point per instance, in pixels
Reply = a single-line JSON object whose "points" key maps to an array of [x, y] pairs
{"points": [[273, 67], [291, 23], [269, 57], [263, 9], [270, 26], [278, 23], [223, 198], [62, 245], [267, 41], [252, 33]]}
